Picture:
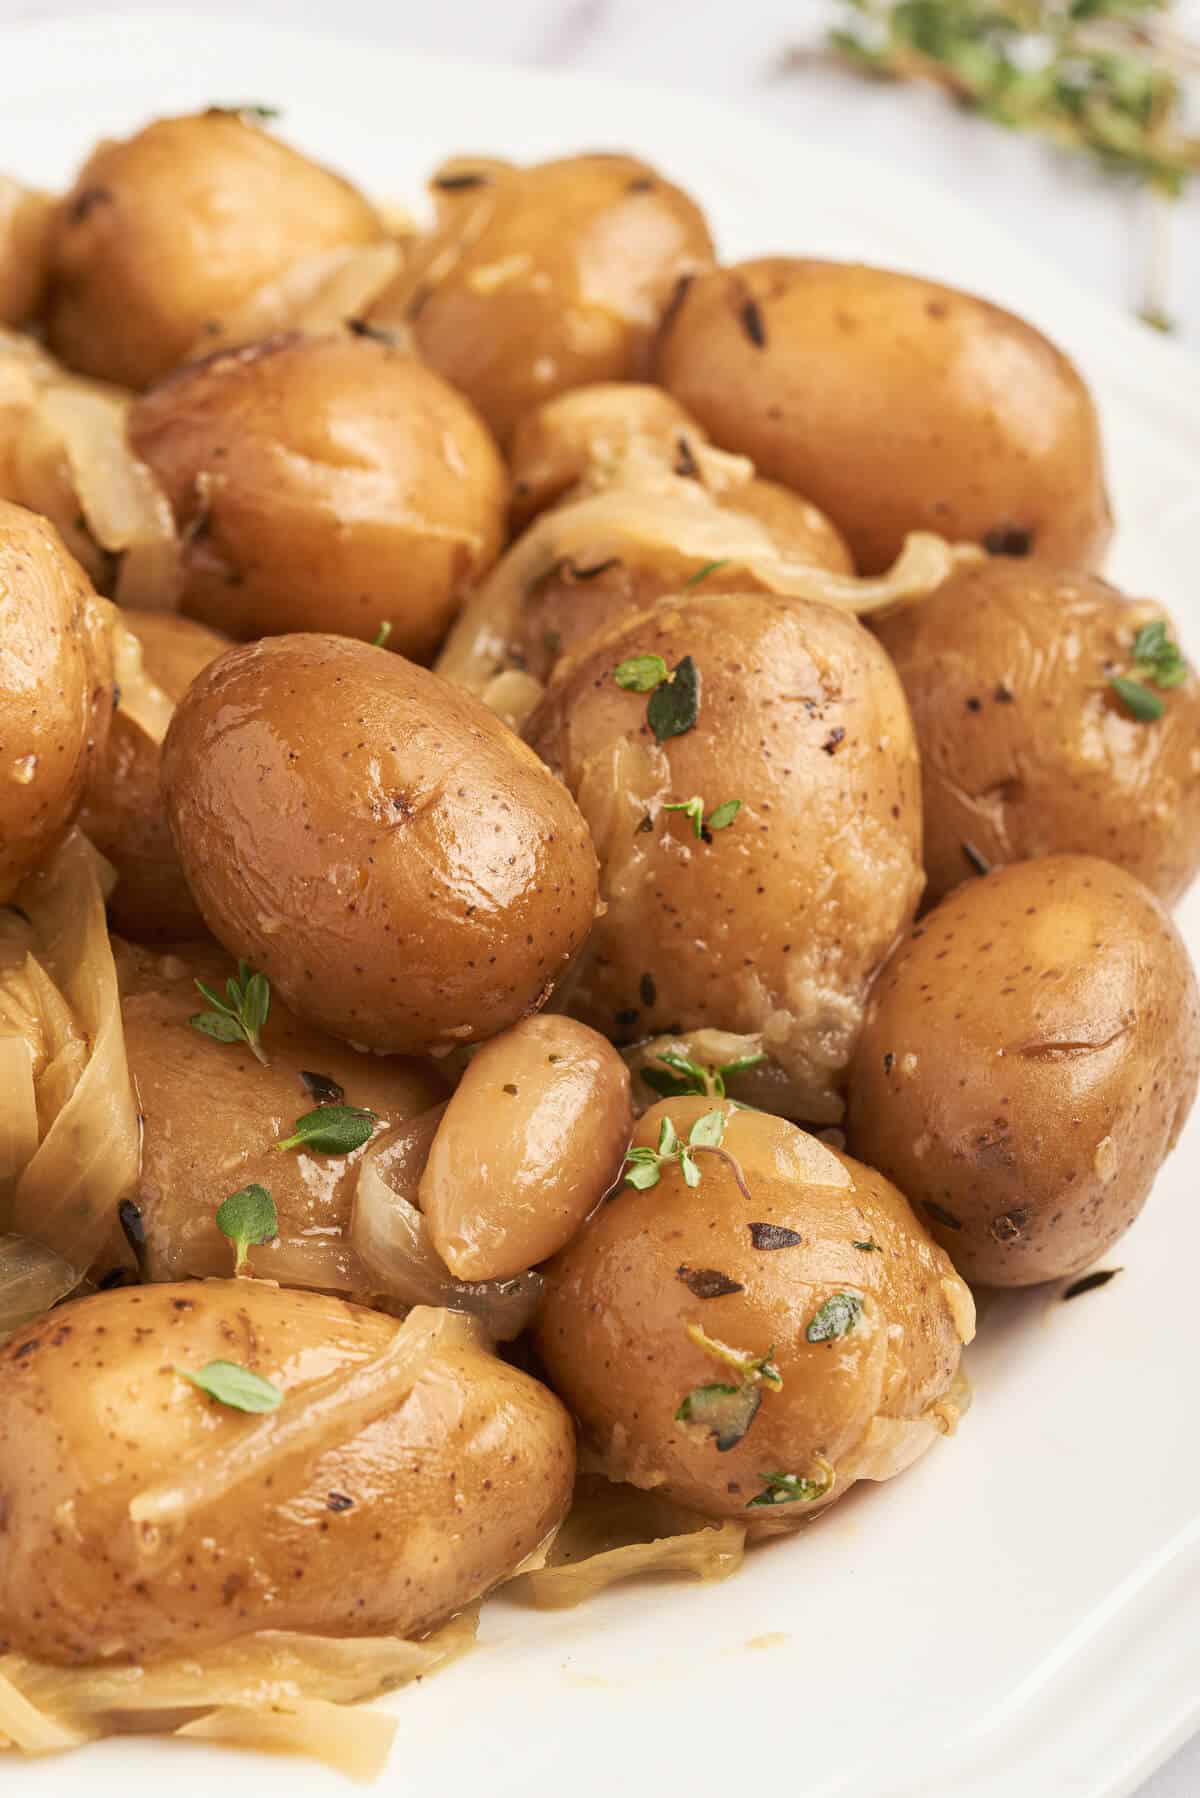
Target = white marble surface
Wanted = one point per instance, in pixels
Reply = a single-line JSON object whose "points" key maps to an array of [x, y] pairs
{"points": [[732, 48]]}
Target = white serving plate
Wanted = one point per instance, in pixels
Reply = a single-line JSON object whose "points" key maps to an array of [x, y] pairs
{"points": [[1019, 1613]]}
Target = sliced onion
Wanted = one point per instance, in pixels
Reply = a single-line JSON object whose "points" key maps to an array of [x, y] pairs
{"points": [[32, 1278], [18, 1118], [315, 295], [142, 699], [358, 1747], [392, 1238]]}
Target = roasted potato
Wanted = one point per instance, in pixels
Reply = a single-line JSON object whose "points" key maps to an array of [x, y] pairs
{"points": [[122, 809], [1029, 1056], [536, 280], [55, 689], [188, 1169], [532, 1139], [402, 868], [834, 1324], [777, 922], [26, 223], [412, 1499], [1027, 749], [326, 483], [894, 405], [166, 231]]}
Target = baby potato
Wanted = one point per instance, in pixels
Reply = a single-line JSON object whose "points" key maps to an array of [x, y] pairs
{"points": [[1026, 747], [533, 1137], [55, 689], [536, 280], [401, 866], [26, 222], [328, 483], [776, 920], [166, 231], [185, 1080], [895, 405], [755, 1355], [565, 440], [123, 810], [414, 1498], [1029, 1056]]}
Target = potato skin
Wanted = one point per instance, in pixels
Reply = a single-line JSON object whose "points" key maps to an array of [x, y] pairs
{"points": [[1029, 1056], [123, 810], [324, 484], [55, 689], [533, 1137], [895, 405], [165, 231], [780, 921], [1025, 749], [26, 221], [536, 280], [184, 1080], [478, 1459], [612, 1332], [391, 856]]}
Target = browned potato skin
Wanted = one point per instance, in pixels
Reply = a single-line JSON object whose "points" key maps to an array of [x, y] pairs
{"points": [[560, 441], [167, 230], [478, 1459], [779, 923], [1025, 749], [26, 222], [324, 484], [533, 1137], [895, 405], [185, 1080], [123, 809], [540, 279], [55, 689], [402, 868], [1028, 1058], [612, 1332]]}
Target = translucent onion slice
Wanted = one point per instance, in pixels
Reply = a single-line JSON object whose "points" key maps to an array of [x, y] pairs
{"points": [[18, 1117], [358, 1747], [31, 1729], [316, 295], [142, 699], [392, 1239], [712, 1552], [32, 1278]]}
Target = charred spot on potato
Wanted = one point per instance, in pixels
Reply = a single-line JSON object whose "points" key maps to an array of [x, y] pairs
{"points": [[837, 735], [889, 1062], [453, 184], [1091, 1282], [753, 323], [773, 1236], [707, 1282], [86, 202], [979, 862], [641, 185], [1010, 1224], [974, 703], [338, 1502], [363, 327], [134, 1231], [940, 1215], [1003, 695], [1008, 540], [686, 464], [321, 1088], [647, 991]]}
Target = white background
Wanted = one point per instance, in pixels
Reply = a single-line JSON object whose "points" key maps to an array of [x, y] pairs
{"points": [[732, 49]]}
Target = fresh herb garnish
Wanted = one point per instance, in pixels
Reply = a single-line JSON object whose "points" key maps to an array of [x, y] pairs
{"points": [[241, 1015], [247, 1217], [1137, 699], [674, 704], [322, 1087], [702, 574], [708, 1282], [382, 634], [250, 109], [725, 1411], [133, 1228], [978, 861], [236, 1386], [868, 1248], [687, 1076], [331, 1130], [753, 1368], [1157, 661], [836, 1317], [645, 1165], [794, 1488], [773, 1236], [718, 819]]}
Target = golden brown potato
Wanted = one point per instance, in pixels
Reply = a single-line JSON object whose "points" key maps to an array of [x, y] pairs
{"points": [[26, 223], [123, 811], [777, 922], [324, 484], [531, 1140], [1029, 1056], [535, 280], [166, 231], [1026, 749], [822, 1273], [567, 439], [429, 1482], [402, 868], [188, 1167], [55, 689], [894, 405]]}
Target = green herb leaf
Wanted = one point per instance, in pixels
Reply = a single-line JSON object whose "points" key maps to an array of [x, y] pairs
{"points": [[867, 1247], [688, 1168], [640, 674], [693, 809], [675, 704], [643, 1174], [793, 1488], [680, 1076], [702, 574], [1138, 700], [331, 1130], [235, 1386], [725, 1411], [248, 1217], [239, 1017], [707, 1131], [836, 1317], [1157, 657], [722, 817], [382, 634]]}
